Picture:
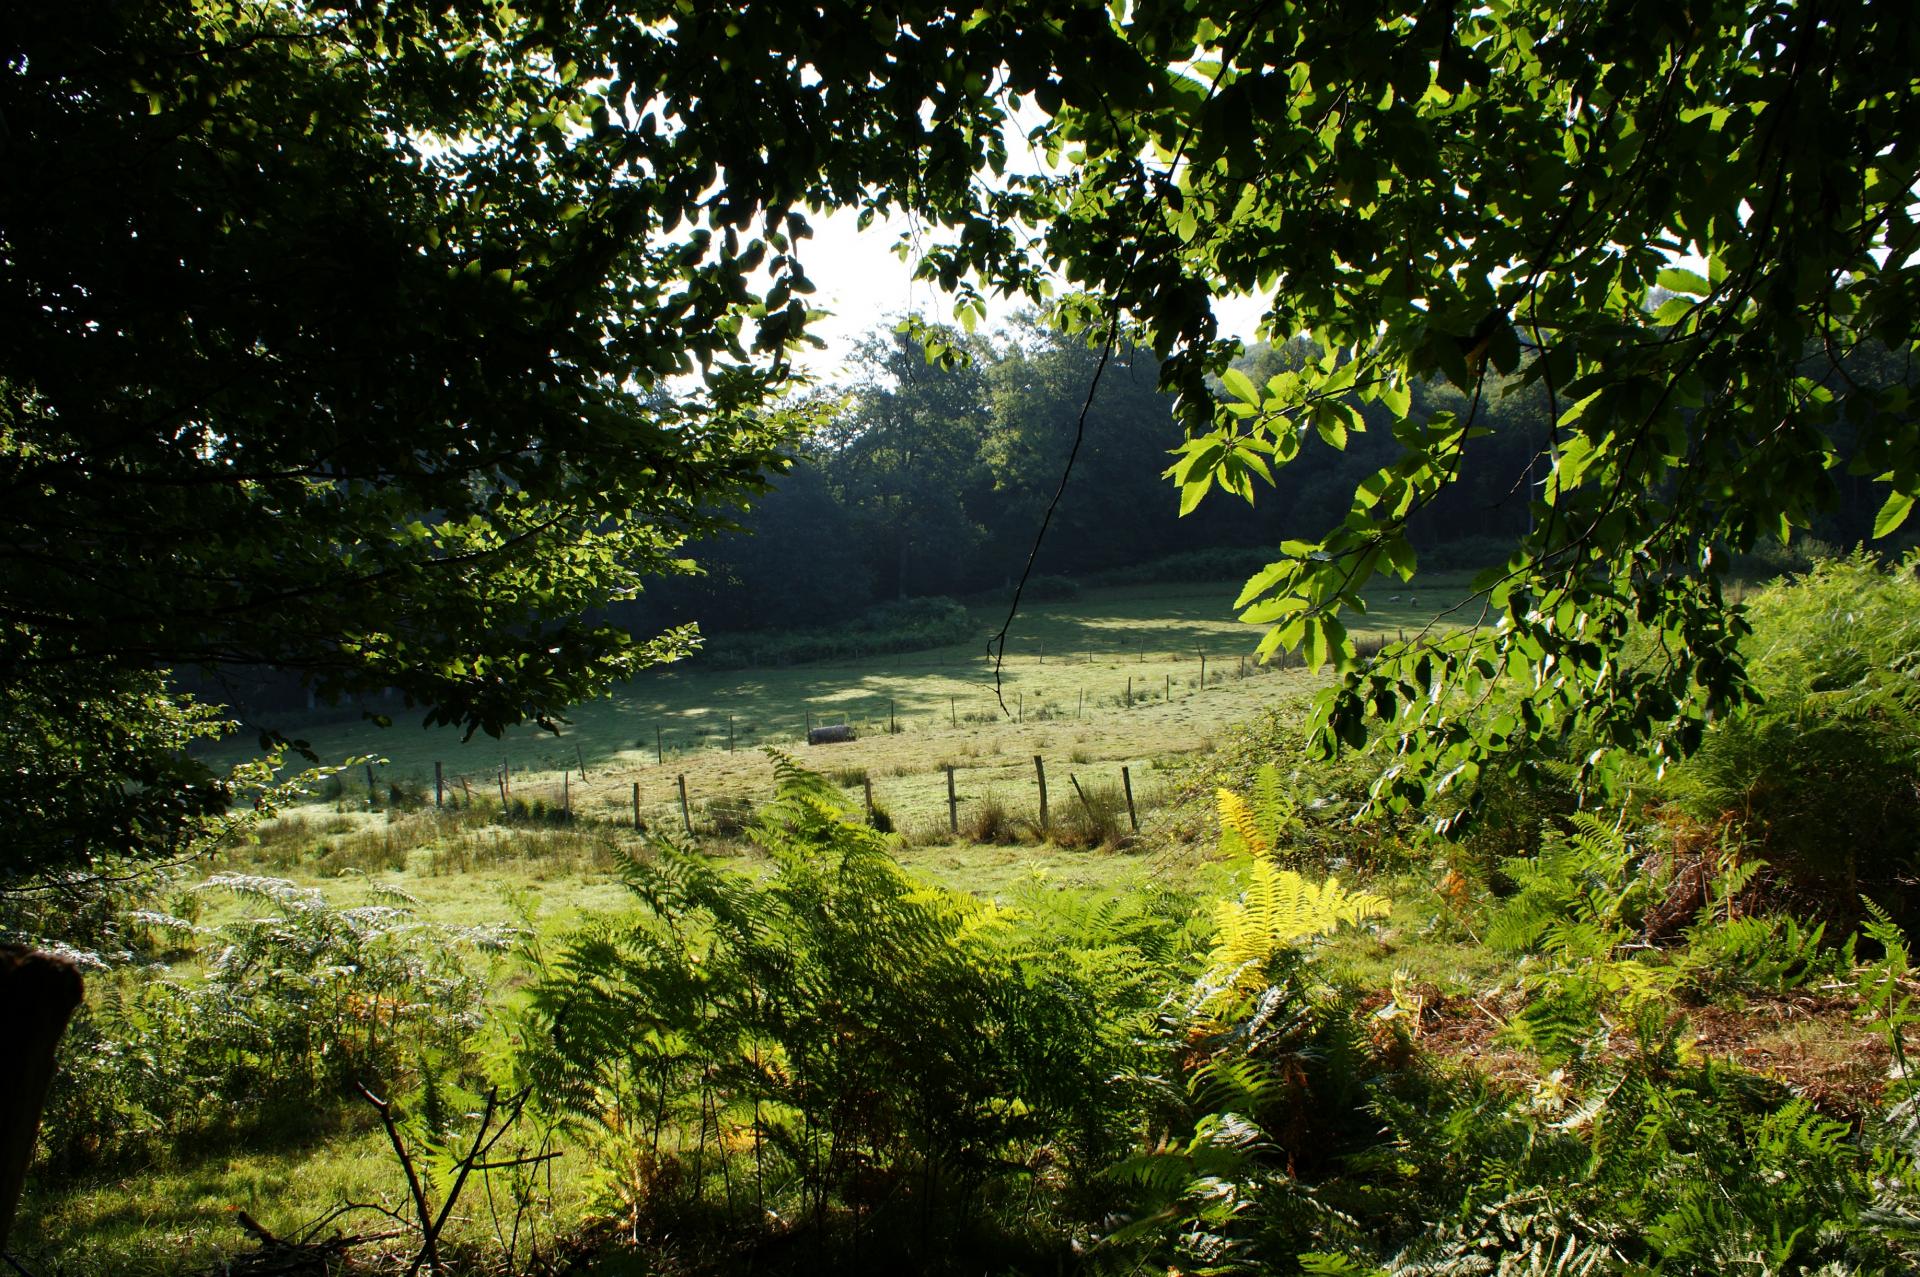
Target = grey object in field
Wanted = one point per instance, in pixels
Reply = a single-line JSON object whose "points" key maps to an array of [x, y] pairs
{"points": [[830, 734]]}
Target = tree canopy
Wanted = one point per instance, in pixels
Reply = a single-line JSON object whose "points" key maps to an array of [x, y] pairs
{"points": [[384, 341], [1690, 226]]}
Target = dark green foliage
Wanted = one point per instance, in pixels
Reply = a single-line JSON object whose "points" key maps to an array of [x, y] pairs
{"points": [[1046, 588], [837, 1042], [298, 1001], [1822, 776], [909, 625]]}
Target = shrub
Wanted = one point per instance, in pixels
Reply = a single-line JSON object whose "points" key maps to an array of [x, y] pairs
{"points": [[1046, 588], [1822, 776], [297, 1002], [827, 1041], [907, 625]]}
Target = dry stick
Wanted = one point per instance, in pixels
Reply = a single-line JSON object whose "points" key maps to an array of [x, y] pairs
{"points": [[429, 1239], [1081, 707], [953, 805], [659, 752], [1203, 671], [1083, 799], [466, 789], [1040, 771], [582, 761], [866, 783], [501, 776], [953, 715], [686, 816], [1126, 783], [369, 784]]}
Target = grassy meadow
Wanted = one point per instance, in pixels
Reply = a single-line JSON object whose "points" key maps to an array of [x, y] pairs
{"points": [[1628, 1013], [1109, 679]]}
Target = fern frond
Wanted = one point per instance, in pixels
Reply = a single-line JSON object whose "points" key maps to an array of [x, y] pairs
{"points": [[1237, 819], [1281, 909]]}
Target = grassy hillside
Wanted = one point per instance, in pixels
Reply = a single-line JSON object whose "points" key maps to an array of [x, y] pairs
{"points": [[1064, 692]]}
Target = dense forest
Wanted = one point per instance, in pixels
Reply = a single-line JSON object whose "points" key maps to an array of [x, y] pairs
{"points": [[926, 477]]}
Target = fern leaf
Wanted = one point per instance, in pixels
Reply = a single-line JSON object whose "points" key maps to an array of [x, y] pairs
{"points": [[1281, 909], [1237, 818]]}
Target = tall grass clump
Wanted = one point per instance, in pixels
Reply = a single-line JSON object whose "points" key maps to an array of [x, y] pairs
{"points": [[1093, 815]]}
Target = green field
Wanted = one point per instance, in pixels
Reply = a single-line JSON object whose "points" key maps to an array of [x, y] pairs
{"points": [[1497, 971], [1109, 679]]}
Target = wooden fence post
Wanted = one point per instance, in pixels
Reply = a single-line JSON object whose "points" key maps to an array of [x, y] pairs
{"points": [[729, 733], [1081, 708], [1203, 671], [953, 805], [439, 784], [892, 728], [953, 715], [1129, 691], [659, 750], [686, 814], [566, 794], [866, 786], [1126, 783], [1021, 707], [1040, 772], [370, 797], [1169, 691], [636, 806], [578, 758]]}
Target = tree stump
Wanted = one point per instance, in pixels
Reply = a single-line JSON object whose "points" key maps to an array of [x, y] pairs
{"points": [[38, 995]]}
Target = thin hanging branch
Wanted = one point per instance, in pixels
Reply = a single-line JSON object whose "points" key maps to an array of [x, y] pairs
{"points": [[998, 643]]}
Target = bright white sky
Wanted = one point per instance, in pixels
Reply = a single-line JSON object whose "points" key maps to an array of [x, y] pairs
{"points": [[858, 279]]}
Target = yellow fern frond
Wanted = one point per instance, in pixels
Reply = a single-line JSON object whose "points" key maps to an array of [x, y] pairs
{"points": [[1236, 816], [1281, 909]]}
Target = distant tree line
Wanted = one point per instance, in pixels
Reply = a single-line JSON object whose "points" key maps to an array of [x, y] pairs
{"points": [[929, 478]]}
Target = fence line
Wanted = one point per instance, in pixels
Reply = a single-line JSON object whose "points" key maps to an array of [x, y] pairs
{"points": [[560, 798]]}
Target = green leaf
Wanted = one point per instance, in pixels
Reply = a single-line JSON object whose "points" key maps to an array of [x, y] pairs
{"points": [[1241, 386], [1892, 514], [1677, 280], [1328, 420]]}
